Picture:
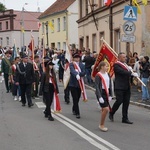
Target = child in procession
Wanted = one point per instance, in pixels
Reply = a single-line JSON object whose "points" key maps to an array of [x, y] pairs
{"points": [[103, 92], [48, 87]]}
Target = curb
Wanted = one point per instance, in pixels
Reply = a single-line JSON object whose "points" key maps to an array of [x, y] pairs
{"points": [[131, 102]]}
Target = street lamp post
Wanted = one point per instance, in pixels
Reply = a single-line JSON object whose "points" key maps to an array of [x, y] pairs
{"points": [[22, 25], [46, 24]]}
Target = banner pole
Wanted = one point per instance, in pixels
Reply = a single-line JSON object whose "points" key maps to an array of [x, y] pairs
{"points": [[109, 46]]}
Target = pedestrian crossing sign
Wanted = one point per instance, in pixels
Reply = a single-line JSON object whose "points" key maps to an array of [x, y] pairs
{"points": [[130, 13]]}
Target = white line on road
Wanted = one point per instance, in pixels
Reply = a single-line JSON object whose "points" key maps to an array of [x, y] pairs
{"points": [[71, 124], [89, 132], [83, 135], [40, 104]]}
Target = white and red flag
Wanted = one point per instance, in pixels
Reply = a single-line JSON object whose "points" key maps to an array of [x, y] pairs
{"points": [[106, 54], [68, 57], [107, 2], [56, 101], [31, 48]]}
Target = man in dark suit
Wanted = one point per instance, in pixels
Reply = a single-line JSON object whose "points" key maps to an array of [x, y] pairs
{"points": [[25, 78], [5, 67], [122, 88]]}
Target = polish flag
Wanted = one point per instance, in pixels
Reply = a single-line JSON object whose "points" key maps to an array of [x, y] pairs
{"points": [[107, 2]]}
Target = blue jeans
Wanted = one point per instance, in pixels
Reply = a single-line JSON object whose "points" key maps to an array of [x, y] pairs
{"points": [[16, 90], [145, 93], [88, 75]]}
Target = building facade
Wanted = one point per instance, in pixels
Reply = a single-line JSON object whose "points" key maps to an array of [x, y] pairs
{"points": [[110, 26], [16, 27], [58, 24]]}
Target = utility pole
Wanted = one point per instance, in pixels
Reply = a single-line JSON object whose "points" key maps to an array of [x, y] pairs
{"points": [[46, 24], [22, 25]]}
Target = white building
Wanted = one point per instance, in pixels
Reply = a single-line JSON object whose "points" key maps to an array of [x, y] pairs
{"points": [[58, 23], [16, 27]]}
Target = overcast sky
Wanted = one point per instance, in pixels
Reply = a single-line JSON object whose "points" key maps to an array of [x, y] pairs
{"points": [[32, 4]]}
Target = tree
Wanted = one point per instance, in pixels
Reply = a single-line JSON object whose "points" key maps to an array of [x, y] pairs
{"points": [[2, 7]]}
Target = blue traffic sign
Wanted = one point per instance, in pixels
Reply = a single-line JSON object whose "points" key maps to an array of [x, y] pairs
{"points": [[130, 13]]}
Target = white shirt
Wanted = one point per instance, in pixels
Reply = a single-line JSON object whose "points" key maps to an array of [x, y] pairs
{"points": [[106, 78], [25, 64], [55, 61]]}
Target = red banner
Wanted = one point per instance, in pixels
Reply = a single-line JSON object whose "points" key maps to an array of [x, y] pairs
{"points": [[107, 55]]}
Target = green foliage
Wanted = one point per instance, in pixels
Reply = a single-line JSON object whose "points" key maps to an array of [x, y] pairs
{"points": [[2, 7]]}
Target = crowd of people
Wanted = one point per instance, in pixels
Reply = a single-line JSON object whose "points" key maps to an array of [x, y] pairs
{"points": [[28, 78]]}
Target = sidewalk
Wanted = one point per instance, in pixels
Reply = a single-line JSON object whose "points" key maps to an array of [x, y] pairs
{"points": [[135, 97]]}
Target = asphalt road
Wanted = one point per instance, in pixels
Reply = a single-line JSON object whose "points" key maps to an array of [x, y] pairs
{"points": [[23, 128]]}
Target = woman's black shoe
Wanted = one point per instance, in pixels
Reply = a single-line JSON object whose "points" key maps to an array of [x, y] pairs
{"points": [[73, 112], [50, 118], [46, 116], [78, 116]]}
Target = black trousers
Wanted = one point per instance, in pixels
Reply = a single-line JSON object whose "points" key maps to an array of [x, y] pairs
{"points": [[26, 93], [48, 96], [35, 89], [6, 76], [122, 97], [66, 94], [76, 94]]}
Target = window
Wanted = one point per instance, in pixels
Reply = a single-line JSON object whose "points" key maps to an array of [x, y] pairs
{"points": [[64, 23], [87, 42], [101, 35], [1, 42], [6, 25], [58, 45], [94, 4], [81, 42], [7, 41], [0, 25], [94, 43], [86, 10], [64, 45], [117, 40], [100, 3], [43, 27], [53, 26], [58, 24]]}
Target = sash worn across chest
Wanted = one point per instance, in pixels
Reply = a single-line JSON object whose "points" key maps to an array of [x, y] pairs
{"points": [[81, 82], [122, 65]]}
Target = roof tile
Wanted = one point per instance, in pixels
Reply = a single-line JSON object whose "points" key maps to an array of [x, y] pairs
{"points": [[58, 6]]}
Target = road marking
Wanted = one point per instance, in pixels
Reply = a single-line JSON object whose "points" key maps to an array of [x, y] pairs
{"points": [[89, 132], [83, 135], [78, 129], [40, 104]]}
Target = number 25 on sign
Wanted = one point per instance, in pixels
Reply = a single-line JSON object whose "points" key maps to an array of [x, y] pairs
{"points": [[129, 27]]}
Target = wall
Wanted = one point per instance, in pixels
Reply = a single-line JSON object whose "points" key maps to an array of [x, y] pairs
{"points": [[72, 24]]}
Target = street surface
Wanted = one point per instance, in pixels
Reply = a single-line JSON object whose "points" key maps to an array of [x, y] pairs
{"points": [[23, 128]]}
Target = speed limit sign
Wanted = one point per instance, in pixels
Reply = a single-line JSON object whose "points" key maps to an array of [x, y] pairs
{"points": [[129, 27]]}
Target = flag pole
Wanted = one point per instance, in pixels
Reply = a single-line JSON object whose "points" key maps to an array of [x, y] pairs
{"points": [[32, 45], [109, 46], [43, 55]]}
